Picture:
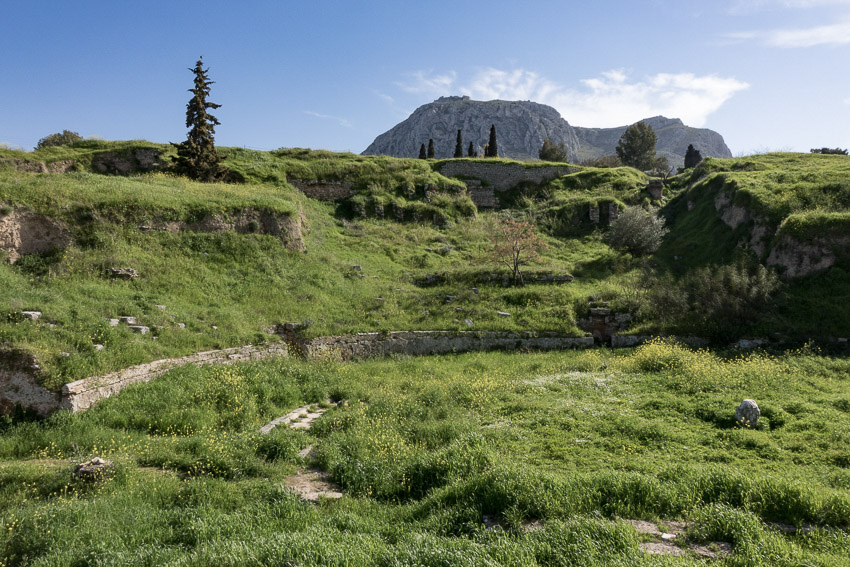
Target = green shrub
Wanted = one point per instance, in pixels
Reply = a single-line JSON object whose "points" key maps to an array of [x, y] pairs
{"points": [[63, 138], [721, 303], [638, 231]]}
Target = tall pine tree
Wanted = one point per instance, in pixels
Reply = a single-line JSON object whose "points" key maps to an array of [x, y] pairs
{"points": [[422, 154], [431, 148], [471, 151], [492, 148], [196, 157], [459, 145]]}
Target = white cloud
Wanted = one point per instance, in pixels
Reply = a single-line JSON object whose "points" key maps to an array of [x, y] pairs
{"points": [[425, 82], [342, 121], [832, 34], [612, 99]]}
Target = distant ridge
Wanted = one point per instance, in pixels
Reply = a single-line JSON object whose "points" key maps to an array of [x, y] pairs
{"points": [[673, 140], [522, 126]]}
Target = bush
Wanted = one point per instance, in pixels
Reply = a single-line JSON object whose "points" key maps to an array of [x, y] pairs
{"points": [[550, 151], [637, 230], [604, 161], [721, 303], [64, 138]]}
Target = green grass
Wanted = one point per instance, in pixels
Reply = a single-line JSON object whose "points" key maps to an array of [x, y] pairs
{"points": [[776, 185], [243, 283], [426, 447]]}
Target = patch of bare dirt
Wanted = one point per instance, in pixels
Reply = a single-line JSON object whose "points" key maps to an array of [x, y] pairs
{"points": [[662, 548], [665, 541], [313, 485], [25, 232]]}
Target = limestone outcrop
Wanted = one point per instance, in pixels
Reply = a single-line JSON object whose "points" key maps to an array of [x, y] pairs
{"points": [[521, 127], [25, 232]]}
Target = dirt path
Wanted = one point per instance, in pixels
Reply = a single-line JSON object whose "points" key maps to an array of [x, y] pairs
{"points": [[309, 484]]}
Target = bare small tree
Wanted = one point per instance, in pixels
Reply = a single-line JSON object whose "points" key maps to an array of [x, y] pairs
{"points": [[515, 244]]}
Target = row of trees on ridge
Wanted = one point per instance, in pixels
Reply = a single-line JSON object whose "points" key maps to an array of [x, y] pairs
{"points": [[491, 148]]}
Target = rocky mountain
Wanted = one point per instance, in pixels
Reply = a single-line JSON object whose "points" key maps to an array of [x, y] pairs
{"points": [[521, 127], [673, 139]]}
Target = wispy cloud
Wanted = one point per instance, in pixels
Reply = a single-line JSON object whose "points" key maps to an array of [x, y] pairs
{"points": [[611, 99], [384, 96], [426, 82], [832, 34], [342, 121], [743, 7], [835, 32]]}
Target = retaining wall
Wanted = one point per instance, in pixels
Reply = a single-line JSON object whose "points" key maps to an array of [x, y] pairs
{"points": [[419, 343], [19, 384], [504, 176], [324, 190], [80, 395]]}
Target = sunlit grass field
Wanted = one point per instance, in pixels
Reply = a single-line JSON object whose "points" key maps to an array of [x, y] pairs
{"points": [[557, 449]]}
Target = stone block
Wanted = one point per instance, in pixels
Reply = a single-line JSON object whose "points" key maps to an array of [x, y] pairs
{"points": [[747, 413]]}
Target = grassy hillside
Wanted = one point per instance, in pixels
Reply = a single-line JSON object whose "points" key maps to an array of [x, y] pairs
{"points": [[553, 451], [557, 453], [202, 287], [242, 282], [804, 197]]}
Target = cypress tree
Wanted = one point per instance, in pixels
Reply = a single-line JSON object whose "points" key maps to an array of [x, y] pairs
{"points": [[471, 151], [459, 145], [492, 148], [430, 148], [196, 157], [692, 157], [422, 154]]}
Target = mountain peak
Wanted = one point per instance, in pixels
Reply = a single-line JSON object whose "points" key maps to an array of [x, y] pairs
{"points": [[521, 127]]}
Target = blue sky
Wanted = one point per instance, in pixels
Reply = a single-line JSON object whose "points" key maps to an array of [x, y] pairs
{"points": [[766, 74]]}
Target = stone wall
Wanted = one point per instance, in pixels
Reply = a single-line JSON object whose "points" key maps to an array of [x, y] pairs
{"points": [[324, 190], [19, 384], [136, 160], [420, 343], [80, 395], [504, 176], [483, 197]]}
